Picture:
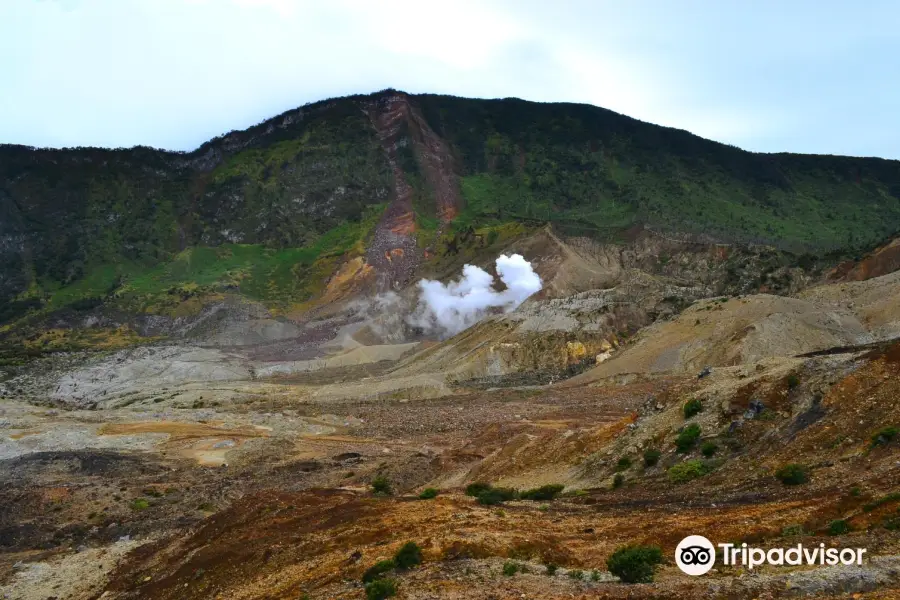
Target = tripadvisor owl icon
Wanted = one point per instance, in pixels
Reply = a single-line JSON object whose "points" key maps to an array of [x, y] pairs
{"points": [[695, 555]]}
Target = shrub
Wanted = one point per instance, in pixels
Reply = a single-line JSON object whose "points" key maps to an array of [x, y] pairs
{"points": [[707, 449], [377, 570], [576, 574], [792, 474], [687, 471], [381, 589], [510, 568], [692, 407], [140, 504], [651, 457], [475, 489], [838, 527], [687, 438], [595, 575], [381, 486], [551, 569], [793, 530], [493, 496], [408, 556], [545, 492], [618, 480], [634, 564], [428, 494], [624, 464], [884, 436], [792, 381]]}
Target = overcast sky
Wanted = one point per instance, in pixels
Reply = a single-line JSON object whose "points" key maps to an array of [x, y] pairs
{"points": [[801, 76]]}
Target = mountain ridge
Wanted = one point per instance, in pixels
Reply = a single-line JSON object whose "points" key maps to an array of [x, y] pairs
{"points": [[325, 183]]}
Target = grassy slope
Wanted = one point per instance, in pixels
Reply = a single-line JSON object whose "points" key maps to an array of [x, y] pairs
{"points": [[267, 210], [592, 169]]}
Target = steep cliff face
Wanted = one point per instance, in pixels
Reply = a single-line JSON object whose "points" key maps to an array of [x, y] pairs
{"points": [[366, 192]]}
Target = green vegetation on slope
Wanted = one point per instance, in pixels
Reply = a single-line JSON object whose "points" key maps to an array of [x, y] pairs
{"points": [[589, 169], [265, 211]]}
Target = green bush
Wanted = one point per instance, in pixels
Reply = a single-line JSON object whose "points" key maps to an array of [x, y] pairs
{"points": [[838, 527], [408, 556], [687, 438], [792, 381], [381, 486], [381, 589], [692, 407], [595, 575], [634, 564], [493, 496], [618, 480], [551, 569], [884, 436], [708, 448], [651, 457], [576, 574], [140, 504], [475, 489], [545, 492], [377, 570], [428, 494], [792, 474], [624, 464], [688, 471], [510, 568]]}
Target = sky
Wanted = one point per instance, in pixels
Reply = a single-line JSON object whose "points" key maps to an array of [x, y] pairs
{"points": [[817, 77]]}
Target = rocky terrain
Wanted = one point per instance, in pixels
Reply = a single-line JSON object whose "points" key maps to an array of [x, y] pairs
{"points": [[227, 465], [212, 386]]}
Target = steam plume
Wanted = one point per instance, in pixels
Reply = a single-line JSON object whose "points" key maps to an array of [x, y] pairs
{"points": [[448, 309]]}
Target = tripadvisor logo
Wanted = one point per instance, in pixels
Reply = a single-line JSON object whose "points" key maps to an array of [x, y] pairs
{"points": [[696, 555]]}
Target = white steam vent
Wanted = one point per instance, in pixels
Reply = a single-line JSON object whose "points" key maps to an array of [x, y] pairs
{"points": [[448, 309]]}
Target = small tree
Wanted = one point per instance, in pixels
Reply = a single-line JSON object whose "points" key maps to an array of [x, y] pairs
{"points": [[634, 564], [408, 556], [687, 439], [708, 448], [381, 486], [651, 457], [380, 589], [428, 494], [692, 407], [792, 474]]}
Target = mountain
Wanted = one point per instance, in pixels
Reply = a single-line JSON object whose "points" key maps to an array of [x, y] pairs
{"points": [[392, 181], [211, 384]]}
